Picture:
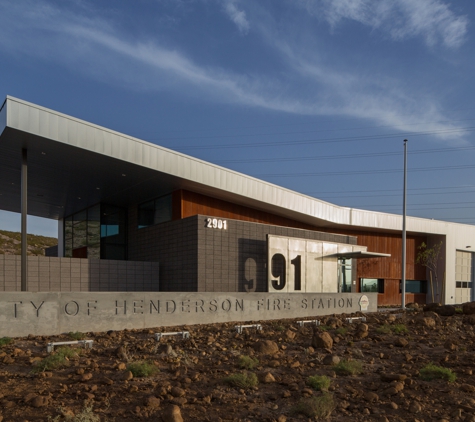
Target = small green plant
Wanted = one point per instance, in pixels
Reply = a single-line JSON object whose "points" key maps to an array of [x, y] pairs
{"points": [[431, 372], [85, 415], [399, 328], [349, 367], [58, 359], [277, 326], [142, 368], [246, 362], [319, 382], [242, 380], [76, 335], [324, 327], [458, 310], [5, 340], [318, 407], [341, 331], [384, 329]]}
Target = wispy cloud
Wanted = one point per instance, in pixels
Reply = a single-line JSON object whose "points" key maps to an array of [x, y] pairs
{"points": [[401, 19], [94, 46], [236, 15], [377, 98]]}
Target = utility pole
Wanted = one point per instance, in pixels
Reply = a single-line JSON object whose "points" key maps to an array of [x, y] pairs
{"points": [[403, 265]]}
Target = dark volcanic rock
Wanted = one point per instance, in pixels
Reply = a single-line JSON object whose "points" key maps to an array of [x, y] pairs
{"points": [[468, 308], [322, 340], [266, 347]]}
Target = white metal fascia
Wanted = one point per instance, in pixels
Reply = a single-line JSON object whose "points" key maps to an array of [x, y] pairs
{"points": [[61, 128], [64, 129], [3, 116]]}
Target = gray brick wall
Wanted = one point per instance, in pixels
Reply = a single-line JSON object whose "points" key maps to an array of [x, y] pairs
{"points": [[196, 258], [174, 245], [234, 260], [78, 275]]}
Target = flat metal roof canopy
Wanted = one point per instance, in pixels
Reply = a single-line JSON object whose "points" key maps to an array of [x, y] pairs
{"points": [[360, 255], [73, 164]]}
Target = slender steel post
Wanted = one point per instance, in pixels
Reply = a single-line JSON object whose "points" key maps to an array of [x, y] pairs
{"points": [[403, 265], [24, 241]]}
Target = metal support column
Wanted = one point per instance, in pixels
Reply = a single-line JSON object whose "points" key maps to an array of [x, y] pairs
{"points": [[24, 241]]}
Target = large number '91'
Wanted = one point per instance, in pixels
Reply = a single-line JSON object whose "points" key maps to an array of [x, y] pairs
{"points": [[279, 271]]}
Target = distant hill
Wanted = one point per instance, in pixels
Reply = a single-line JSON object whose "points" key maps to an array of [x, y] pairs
{"points": [[10, 243]]}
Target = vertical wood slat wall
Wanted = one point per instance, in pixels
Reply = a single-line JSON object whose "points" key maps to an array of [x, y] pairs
{"points": [[190, 203]]}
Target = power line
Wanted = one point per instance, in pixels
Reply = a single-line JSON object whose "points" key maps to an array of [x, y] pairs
{"points": [[398, 195], [328, 140], [396, 190], [293, 133], [346, 173], [345, 157], [425, 204]]}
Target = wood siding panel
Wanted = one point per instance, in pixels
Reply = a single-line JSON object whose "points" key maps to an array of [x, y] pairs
{"points": [[194, 203]]}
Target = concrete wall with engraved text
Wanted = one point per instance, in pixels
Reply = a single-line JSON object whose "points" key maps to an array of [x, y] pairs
{"points": [[23, 313]]}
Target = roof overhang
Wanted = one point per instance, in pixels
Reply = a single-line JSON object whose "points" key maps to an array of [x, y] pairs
{"points": [[73, 164], [361, 254]]}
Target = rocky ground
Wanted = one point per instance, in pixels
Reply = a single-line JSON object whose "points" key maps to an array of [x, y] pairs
{"points": [[198, 378]]}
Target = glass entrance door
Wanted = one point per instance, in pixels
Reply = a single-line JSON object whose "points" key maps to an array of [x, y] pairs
{"points": [[344, 275]]}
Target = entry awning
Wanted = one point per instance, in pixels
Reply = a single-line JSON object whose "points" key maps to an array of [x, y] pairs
{"points": [[361, 254]]}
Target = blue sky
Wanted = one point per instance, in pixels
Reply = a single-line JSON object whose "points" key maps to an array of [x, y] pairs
{"points": [[316, 96]]}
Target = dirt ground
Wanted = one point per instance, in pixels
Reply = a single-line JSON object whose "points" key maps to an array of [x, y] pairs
{"points": [[389, 353]]}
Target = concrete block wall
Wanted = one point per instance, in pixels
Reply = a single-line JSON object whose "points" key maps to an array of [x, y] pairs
{"points": [[194, 257], [234, 260], [76, 275], [174, 244]]}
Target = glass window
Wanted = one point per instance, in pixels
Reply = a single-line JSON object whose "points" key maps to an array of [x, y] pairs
{"points": [[416, 286], [113, 232], [372, 285], [163, 209], [68, 227], [68, 247], [94, 226], [463, 284], [146, 214], [95, 230], [155, 212]]}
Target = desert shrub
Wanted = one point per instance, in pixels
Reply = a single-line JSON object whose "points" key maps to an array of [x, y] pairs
{"points": [[396, 329], [247, 362], [349, 367], [324, 327], [341, 331], [85, 415], [242, 380], [5, 341], [76, 335], [384, 329], [399, 328], [59, 359], [316, 407], [142, 368], [431, 372], [319, 382], [277, 326]]}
